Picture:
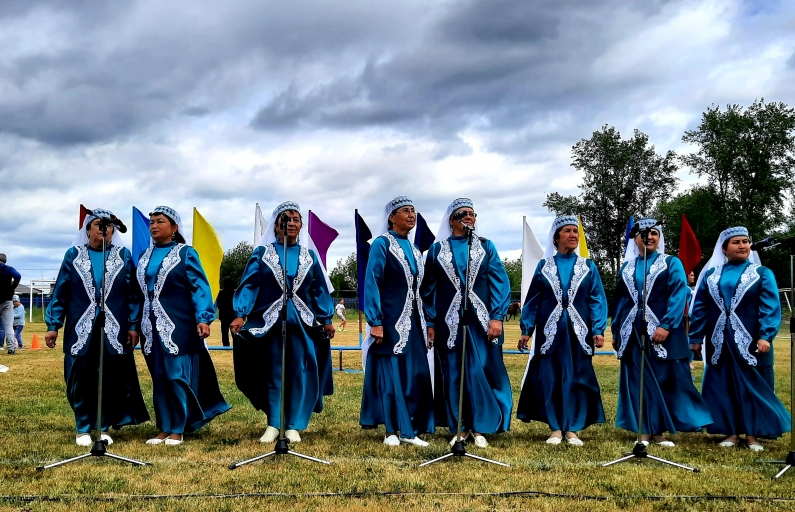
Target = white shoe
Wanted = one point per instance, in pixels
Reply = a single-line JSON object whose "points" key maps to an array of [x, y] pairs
{"points": [[270, 435], [665, 443], [574, 441], [106, 437], [756, 447], [293, 436], [392, 440], [416, 441], [554, 440], [645, 443], [463, 438], [173, 442], [84, 440], [154, 440], [481, 442], [727, 444]]}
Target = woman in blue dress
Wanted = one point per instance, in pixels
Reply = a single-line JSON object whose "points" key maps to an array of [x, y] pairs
{"points": [[176, 317], [258, 349], [737, 311], [487, 390], [75, 305], [567, 309], [671, 402], [397, 379]]}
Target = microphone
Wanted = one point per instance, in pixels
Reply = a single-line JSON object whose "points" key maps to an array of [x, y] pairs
{"points": [[284, 219], [117, 223], [763, 244]]}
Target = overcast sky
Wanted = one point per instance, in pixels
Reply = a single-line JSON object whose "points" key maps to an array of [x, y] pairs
{"points": [[343, 105]]}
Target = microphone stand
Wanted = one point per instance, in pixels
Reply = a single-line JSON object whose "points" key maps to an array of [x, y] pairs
{"points": [[458, 449], [789, 460], [100, 446], [282, 443], [639, 451]]}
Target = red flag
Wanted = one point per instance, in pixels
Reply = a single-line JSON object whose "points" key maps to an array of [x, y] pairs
{"points": [[82, 216], [689, 249]]}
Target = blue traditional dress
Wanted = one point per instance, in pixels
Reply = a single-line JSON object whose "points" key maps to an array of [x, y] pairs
{"points": [[177, 298], [487, 391], [566, 307], [75, 305], [736, 305], [258, 350], [397, 381], [671, 402]]}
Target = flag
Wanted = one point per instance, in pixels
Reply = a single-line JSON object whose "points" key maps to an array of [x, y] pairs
{"points": [[260, 225], [630, 225], [363, 234], [689, 248], [583, 247], [140, 234], [211, 254], [82, 217], [532, 252], [423, 237], [322, 235]]}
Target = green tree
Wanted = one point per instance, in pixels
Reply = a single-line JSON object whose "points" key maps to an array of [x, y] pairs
{"points": [[344, 275], [698, 204], [514, 270], [234, 262]]}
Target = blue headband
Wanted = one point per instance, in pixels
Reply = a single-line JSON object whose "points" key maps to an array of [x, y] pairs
{"points": [[732, 232], [285, 206], [564, 220], [168, 212], [398, 202]]}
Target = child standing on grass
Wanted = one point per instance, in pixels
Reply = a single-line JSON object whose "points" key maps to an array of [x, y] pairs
{"points": [[340, 310], [19, 320]]}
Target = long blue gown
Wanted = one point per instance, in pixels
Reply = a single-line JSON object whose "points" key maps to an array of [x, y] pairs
{"points": [[560, 387], [79, 280], [671, 402], [487, 390], [738, 381], [185, 388], [397, 381], [258, 351]]}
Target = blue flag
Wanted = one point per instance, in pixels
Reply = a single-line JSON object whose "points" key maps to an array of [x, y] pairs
{"points": [[140, 234], [363, 234], [423, 237], [629, 229]]}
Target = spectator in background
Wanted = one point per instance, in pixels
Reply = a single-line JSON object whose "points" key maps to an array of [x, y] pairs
{"points": [[9, 279], [19, 320], [226, 311], [340, 310]]}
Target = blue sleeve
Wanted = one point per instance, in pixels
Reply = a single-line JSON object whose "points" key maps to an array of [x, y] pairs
{"points": [[248, 290], [134, 297], [322, 305], [618, 295], [532, 302], [677, 297], [428, 288], [201, 294], [597, 302], [61, 293], [700, 312], [373, 278], [769, 306], [499, 284]]}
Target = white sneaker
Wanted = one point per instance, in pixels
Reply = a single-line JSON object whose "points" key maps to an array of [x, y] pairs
{"points": [[554, 440], [84, 440], [106, 437], [293, 436], [416, 441], [574, 441], [270, 435], [392, 440], [481, 442]]}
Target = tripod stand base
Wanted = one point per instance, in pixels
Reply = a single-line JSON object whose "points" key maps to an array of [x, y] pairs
{"points": [[282, 448], [458, 450], [99, 449], [788, 463], [639, 452]]}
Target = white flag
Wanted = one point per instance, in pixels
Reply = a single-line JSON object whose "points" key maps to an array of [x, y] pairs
{"points": [[260, 225], [532, 253]]}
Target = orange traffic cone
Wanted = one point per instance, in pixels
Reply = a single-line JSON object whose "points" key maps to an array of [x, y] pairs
{"points": [[35, 345]]}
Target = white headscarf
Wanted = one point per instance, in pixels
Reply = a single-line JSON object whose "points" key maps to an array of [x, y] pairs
{"points": [[559, 222], [632, 250], [445, 231], [304, 238], [81, 237], [719, 259]]}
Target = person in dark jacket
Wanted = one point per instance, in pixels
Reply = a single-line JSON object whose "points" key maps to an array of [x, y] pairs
{"points": [[9, 279]]}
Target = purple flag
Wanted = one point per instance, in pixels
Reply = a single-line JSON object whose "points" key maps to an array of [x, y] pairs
{"points": [[322, 234]]}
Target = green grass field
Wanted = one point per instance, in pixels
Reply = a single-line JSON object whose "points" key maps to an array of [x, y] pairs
{"points": [[38, 429]]}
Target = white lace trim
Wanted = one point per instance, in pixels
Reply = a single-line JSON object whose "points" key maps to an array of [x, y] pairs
{"points": [[452, 318], [628, 275], [82, 264], [742, 338], [164, 325], [551, 274], [271, 258], [403, 325]]}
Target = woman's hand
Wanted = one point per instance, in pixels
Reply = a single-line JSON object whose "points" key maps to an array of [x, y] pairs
{"points": [[763, 346], [696, 348], [132, 338], [236, 325], [523, 343], [495, 329], [203, 330], [330, 330], [431, 337], [598, 341], [50, 338], [377, 333], [660, 335]]}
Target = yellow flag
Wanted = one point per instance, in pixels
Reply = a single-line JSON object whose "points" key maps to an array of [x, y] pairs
{"points": [[583, 243], [208, 245]]}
